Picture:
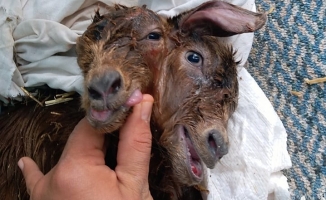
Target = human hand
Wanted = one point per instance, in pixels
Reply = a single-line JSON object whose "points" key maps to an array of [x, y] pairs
{"points": [[81, 172]]}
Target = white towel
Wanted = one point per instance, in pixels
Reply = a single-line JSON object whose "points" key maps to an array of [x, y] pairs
{"points": [[43, 34]]}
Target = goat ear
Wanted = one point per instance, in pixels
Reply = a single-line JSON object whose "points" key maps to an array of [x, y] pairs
{"points": [[221, 19], [97, 17]]}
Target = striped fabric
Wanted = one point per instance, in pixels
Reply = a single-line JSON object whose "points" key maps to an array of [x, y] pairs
{"points": [[290, 48]]}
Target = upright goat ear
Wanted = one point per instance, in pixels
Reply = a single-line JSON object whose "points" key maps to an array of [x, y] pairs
{"points": [[221, 19]]}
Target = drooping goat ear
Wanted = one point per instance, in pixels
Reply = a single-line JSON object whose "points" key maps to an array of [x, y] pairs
{"points": [[221, 19]]}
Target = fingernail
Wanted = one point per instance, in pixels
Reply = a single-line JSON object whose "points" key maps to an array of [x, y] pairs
{"points": [[146, 110], [21, 164]]}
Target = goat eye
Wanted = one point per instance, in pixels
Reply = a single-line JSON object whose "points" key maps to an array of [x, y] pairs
{"points": [[154, 36], [194, 58]]}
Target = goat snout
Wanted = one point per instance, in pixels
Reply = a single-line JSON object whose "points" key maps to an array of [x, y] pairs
{"points": [[217, 146], [105, 85]]}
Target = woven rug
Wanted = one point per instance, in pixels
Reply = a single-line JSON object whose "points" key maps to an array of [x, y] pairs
{"points": [[290, 48]]}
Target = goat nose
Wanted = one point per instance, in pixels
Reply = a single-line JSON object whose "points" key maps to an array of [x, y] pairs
{"points": [[216, 144], [107, 84]]}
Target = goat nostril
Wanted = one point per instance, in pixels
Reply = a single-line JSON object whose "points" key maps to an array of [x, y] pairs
{"points": [[216, 144], [112, 82], [116, 85], [212, 145], [94, 94]]}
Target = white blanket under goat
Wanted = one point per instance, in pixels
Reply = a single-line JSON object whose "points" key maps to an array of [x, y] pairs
{"points": [[41, 35]]}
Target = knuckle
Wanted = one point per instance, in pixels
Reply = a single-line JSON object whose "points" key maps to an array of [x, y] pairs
{"points": [[143, 142]]}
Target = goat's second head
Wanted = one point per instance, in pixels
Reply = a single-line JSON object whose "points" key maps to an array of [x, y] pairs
{"points": [[198, 87], [113, 55]]}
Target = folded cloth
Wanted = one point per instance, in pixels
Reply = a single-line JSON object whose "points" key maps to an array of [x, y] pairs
{"points": [[43, 35], [10, 16]]}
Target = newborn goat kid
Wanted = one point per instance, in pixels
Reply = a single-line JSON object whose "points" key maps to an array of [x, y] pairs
{"points": [[110, 53], [197, 91]]}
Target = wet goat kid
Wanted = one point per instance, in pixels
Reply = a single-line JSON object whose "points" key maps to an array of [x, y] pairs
{"points": [[197, 91]]}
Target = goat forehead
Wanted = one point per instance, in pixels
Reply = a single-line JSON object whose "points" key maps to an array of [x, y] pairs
{"points": [[131, 22], [134, 13]]}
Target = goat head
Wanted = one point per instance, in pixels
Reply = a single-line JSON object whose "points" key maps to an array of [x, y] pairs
{"points": [[197, 89], [110, 54]]}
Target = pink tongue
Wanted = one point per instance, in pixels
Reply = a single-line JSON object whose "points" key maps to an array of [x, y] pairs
{"points": [[135, 98], [100, 115]]}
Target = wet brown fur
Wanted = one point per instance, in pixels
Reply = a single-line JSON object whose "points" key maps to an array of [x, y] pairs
{"points": [[33, 131]]}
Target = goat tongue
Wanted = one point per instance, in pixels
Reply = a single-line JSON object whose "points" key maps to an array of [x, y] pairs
{"points": [[196, 167], [135, 98]]}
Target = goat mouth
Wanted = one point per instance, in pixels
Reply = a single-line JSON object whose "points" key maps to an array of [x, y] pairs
{"points": [[100, 115], [104, 115], [194, 163]]}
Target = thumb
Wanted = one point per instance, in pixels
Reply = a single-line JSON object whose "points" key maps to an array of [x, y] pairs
{"points": [[31, 173], [135, 145]]}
